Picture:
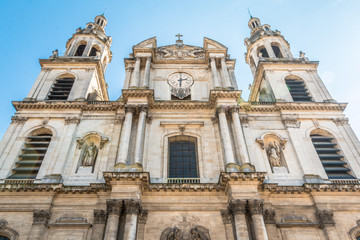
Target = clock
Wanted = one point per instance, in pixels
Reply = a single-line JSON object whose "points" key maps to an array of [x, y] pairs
{"points": [[180, 80]]}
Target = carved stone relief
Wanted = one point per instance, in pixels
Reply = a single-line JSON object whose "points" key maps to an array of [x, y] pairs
{"points": [[180, 52]]}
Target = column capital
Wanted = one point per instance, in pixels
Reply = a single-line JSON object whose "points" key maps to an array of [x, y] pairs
{"points": [[114, 206], [222, 59], [100, 216], [226, 216], [143, 216], [234, 109], [137, 58], [130, 108], [256, 206], [325, 217], [41, 217], [269, 216], [148, 59], [238, 206], [143, 108], [18, 119], [132, 206], [222, 109]]}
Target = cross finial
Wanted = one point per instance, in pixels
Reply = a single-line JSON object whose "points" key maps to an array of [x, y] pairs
{"points": [[179, 36]]}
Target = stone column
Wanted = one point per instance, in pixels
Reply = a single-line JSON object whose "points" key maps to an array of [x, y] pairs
{"points": [[136, 77], [114, 208], [132, 208], [214, 73], [225, 135], [128, 74], [327, 223], [147, 73], [226, 217], [98, 225], [227, 82], [139, 144], [125, 137], [256, 211], [141, 225], [40, 220], [239, 136], [238, 208], [233, 78]]}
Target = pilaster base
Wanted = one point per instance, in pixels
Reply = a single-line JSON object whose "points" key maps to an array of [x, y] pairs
{"points": [[247, 167], [121, 167]]}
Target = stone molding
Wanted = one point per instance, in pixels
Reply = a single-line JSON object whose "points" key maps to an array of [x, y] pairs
{"points": [[71, 222], [41, 217], [126, 176], [277, 107], [132, 206], [241, 176], [70, 120], [18, 119], [100, 216], [238, 206], [226, 216], [341, 121], [119, 119], [269, 216], [325, 217], [256, 206], [114, 206], [130, 108], [291, 122]]}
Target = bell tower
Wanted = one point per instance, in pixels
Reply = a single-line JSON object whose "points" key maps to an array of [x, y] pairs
{"points": [[78, 74], [278, 75]]}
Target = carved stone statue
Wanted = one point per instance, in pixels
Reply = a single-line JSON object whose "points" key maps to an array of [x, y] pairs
{"points": [[274, 154], [197, 234], [171, 234], [88, 155]]}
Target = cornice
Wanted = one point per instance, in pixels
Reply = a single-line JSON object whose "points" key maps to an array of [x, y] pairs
{"points": [[292, 106], [215, 94], [81, 105]]}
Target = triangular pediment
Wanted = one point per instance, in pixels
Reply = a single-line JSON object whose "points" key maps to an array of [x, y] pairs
{"points": [[148, 43], [210, 44]]}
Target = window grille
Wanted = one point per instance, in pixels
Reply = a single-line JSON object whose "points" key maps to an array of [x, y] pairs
{"points": [[183, 157], [298, 90], [330, 157], [31, 157], [61, 88]]}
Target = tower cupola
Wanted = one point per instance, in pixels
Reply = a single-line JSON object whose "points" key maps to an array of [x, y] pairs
{"points": [[100, 21], [264, 44]]}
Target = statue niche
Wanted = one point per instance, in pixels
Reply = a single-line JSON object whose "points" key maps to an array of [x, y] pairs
{"points": [[274, 146], [89, 147]]}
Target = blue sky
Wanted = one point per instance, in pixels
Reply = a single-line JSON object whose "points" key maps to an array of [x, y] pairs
{"points": [[327, 30]]}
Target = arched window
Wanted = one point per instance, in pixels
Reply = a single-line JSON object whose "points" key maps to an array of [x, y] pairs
{"points": [[263, 52], [93, 51], [330, 155], [277, 51], [183, 157], [32, 155], [80, 50], [4, 238], [61, 88], [297, 89]]}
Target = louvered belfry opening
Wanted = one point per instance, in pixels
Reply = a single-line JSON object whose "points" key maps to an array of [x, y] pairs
{"points": [[31, 157], [298, 90], [330, 156], [61, 89]]}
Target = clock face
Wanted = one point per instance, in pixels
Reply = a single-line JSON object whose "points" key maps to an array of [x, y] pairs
{"points": [[180, 80]]}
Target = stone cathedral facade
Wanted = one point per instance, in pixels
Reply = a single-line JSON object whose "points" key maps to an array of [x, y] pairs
{"points": [[179, 155]]}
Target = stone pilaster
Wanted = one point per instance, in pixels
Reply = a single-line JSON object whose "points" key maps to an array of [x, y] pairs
{"points": [[136, 76], [239, 137], [100, 217], [114, 208], [227, 220], [132, 209], [145, 83], [225, 73], [125, 138], [141, 224], [214, 73], [238, 209], [327, 223], [139, 144], [226, 139], [270, 223], [40, 221], [256, 210]]}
